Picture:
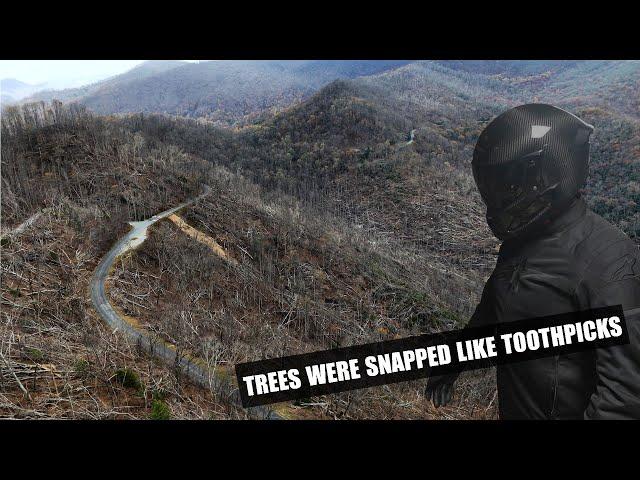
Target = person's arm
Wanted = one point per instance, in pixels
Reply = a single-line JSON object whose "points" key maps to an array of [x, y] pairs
{"points": [[440, 388], [615, 280]]}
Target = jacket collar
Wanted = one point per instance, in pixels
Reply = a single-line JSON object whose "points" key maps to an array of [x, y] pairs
{"points": [[576, 210], [571, 215]]}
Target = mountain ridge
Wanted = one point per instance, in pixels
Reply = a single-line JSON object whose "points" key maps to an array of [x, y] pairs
{"points": [[227, 92]]}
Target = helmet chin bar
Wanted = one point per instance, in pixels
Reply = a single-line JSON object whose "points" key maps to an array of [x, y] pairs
{"points": [[530, 200], [525, 212]]}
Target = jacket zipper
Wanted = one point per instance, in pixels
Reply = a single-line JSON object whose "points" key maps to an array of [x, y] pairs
{"points": [[555, 387]]}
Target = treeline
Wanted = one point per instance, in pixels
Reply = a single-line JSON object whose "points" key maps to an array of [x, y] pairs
{"points": [[18, 119]]}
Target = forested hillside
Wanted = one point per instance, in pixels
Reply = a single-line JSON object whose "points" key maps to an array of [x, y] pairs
{"points": [[450, 106], [303, 279], [225, 92], [79, 179]]}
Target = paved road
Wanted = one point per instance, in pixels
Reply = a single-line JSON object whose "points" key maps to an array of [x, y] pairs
{"points": [[198, 374], [411, 135]]}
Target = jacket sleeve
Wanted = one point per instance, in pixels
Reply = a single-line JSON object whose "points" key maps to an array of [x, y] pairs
{"points": [[614, 279], [482, 315]]}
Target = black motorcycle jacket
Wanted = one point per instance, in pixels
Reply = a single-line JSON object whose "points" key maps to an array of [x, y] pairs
{"points": [[577, 262]]}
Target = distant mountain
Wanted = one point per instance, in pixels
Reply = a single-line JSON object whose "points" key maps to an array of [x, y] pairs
{"points": [[227, 92], [139, 72], [12, 84], [508, 67], [612, 84], [324, 71], [13, 90]]}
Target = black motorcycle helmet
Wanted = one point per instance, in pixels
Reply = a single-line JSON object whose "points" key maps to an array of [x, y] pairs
{"points": [[529, 164]]}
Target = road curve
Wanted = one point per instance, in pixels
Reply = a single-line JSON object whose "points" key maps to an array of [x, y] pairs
{"points": [[165, 352], [411, 136]]}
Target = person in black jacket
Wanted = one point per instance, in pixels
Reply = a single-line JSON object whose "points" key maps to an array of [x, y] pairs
{"points": [[557, 256]]}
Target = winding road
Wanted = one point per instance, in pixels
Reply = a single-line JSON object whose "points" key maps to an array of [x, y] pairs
{"points": [[199, 374], [411, 137]]}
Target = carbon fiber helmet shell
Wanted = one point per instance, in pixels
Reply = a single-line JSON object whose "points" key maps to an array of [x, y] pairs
{"points": [[529, 165]]}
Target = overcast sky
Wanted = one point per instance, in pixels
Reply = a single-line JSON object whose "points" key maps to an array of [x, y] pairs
{"points": [[63, 73]]}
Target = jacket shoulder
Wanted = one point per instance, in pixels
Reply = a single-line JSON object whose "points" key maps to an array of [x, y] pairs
{"points": [[608, 267], [605, 250]]}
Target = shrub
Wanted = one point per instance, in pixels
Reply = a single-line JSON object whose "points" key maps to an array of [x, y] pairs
{"points": [[128, 378], [160, 410], [35, 355], [81, 366]]}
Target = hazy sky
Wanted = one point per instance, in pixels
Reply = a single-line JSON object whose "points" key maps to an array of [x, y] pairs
{"points": [[63, 73]]}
